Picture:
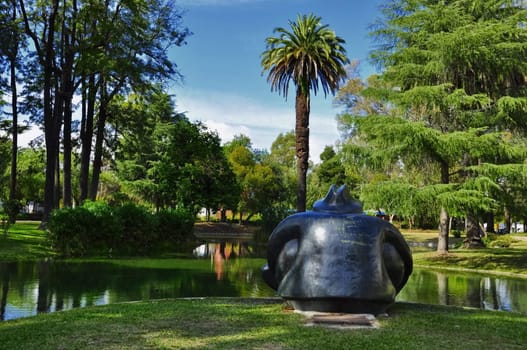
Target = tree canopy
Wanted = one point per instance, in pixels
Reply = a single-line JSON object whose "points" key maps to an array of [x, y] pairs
{"points": [[454, 81]]}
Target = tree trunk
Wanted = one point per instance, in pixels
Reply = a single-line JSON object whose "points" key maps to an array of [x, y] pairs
{"points": [[105, 99], [442, 240], [50, 124], [474, 232], [86, 134], [57, 190], [302, 108], [67, 93], [58, 113], [490, 223], [67, 154], [14, 131], [508, 220], [97, 156]]}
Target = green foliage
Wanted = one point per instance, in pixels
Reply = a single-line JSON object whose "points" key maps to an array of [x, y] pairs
{"points": [[272, 216], [97, 228], [137, 228], [31, 174], [456, 233], [174, 225], [165, 161], [70, 230], [453, 136], [4, 224], [497, 241], [11, 208], [264, 181], [308, 53]]}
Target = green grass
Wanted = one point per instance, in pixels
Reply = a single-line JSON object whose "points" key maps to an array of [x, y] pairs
{"points": [[25, 241], [498, 260], [511, 260], [258, 324]]}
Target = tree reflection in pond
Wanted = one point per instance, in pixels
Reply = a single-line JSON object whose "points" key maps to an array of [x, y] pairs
{"points": [[216, 269], [463, 289]]}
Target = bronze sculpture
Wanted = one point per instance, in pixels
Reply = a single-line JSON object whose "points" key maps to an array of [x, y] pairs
{"points": [[335, 258]]}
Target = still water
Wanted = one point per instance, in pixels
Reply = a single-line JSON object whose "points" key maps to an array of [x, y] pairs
{"points": [[228, 270]]}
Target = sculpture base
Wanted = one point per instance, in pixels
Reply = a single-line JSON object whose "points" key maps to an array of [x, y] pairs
{"points": [[342, 305]]}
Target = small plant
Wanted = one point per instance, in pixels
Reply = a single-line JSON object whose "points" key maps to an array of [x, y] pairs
{"points": [[497, 241], [456, 233], [4, 223]]}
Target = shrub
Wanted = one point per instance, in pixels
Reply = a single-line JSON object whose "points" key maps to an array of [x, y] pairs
{"points": [[174, 225], [69, 231], [272, 215], [12, 208], [137, 228], [97, 227], [497, 241], [456, 233], [105, 228]]}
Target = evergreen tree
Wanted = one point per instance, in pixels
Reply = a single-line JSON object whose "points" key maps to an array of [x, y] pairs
{"points": [[454, 72]]}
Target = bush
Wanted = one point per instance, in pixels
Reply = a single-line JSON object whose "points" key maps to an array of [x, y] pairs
{"points": [[137, 228], [456, 233], [98, 228], [497, 241], [106, 229], [273, 215], [69, 231], [174, 225], [12, 208]]}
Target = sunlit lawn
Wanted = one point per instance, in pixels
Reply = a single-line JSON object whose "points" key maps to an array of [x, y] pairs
{"points": [[506, 260], [258, 324], [25, 241]]}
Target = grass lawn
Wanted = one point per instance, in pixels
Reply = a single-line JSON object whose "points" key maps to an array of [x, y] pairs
{"points": [[258, 324], [25, 241], [511, 260]]}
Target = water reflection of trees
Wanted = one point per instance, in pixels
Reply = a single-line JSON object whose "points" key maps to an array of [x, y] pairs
{"points": [[28, 287], [35, 287], [470, 290], [230, 260]]}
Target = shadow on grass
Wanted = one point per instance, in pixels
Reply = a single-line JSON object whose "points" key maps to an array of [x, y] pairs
{"points": [[254, 324], [25, 241]]}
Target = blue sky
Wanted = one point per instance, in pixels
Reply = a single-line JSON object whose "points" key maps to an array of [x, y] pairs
{"points": [[223, 83]]}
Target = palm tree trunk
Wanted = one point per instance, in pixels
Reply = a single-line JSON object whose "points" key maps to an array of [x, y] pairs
{"points": [[302, 147]]}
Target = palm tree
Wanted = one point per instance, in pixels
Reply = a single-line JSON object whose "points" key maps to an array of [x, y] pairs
{"points": [[309, 53]]}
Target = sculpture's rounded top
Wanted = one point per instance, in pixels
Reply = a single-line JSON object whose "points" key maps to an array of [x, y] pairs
{"points": [[338, 201]]}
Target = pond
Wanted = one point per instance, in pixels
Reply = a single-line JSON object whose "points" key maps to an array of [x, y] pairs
{"points": [[214, 269]]}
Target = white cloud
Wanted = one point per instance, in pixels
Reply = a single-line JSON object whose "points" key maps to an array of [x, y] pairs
{"points": [[262, 122]]}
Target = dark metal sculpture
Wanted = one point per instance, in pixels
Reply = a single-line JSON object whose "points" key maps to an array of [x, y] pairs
{"points": [[337, 259]]}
